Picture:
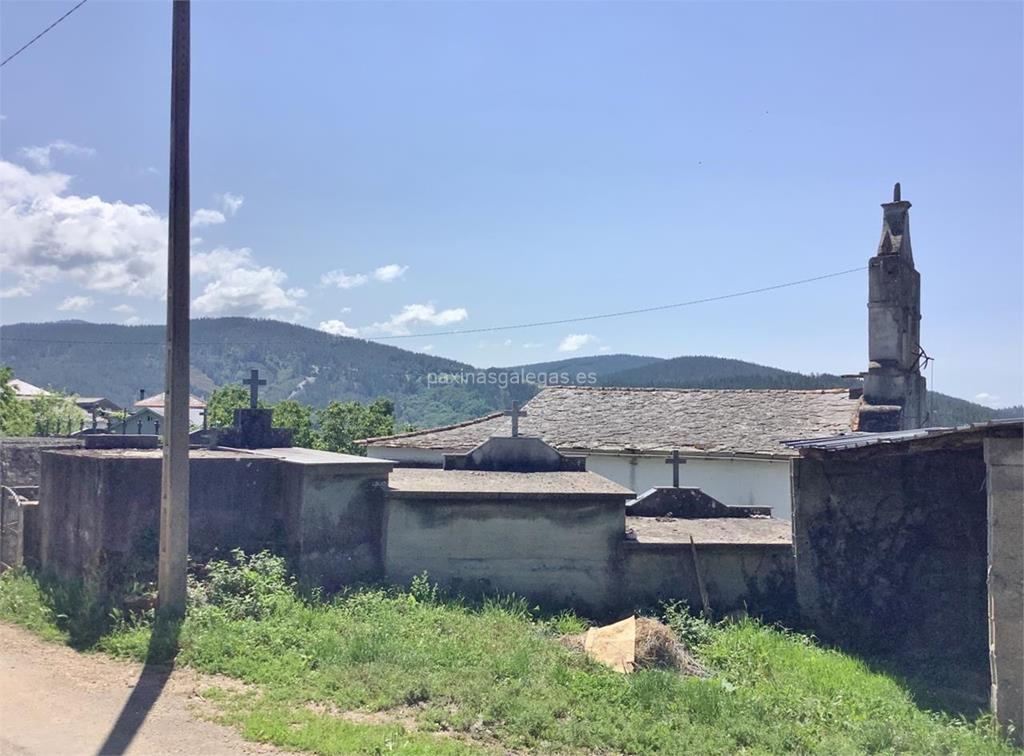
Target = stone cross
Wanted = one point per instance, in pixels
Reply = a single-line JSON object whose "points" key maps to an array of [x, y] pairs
{"points": [[515, 413], [675, 460], [254, 382]]}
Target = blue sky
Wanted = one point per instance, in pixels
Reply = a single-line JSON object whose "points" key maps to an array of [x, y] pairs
{"points": [[390, 168]]}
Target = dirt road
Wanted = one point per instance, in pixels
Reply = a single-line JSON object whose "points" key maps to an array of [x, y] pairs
{"points": [[54, 700]]}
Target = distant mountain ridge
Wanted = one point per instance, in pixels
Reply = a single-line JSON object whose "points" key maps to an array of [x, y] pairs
{"points": [[117, 361]]}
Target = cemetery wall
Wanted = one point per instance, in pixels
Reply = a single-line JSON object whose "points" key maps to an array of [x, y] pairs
{"points": [[1005, 460], [334, 524], [100, 510], [20, 460], [556, 551], [891, 550], [754, 577]]}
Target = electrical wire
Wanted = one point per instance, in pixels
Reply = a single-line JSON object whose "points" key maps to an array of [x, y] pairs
{"points": [[492, 329], [32, 41]]}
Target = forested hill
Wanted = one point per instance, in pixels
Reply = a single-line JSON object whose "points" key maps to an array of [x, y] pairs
{"points": [[302, 363], [723, 373], [314, 367], [720, 372]]}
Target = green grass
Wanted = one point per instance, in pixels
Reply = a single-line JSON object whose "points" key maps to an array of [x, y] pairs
{"points": [[493, 677]]}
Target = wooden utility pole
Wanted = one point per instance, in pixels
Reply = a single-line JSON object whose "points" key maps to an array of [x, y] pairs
{"points": [[174, 480]]}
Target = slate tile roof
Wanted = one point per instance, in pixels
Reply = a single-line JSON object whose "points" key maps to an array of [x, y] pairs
{"points": [[696, 421]]}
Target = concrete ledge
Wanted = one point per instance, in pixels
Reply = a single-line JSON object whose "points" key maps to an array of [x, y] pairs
{"points": [[118, 441], [348, 463]]}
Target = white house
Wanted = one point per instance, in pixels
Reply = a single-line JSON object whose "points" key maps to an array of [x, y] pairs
{"points": [[731, 439], [25, 390], [148, 417]]}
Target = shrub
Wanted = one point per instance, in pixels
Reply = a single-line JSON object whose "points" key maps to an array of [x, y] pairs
{"points": [[246, 587]]}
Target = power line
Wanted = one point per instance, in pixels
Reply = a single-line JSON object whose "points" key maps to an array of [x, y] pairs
{"points": [[622, 313], [28, 44], [488, 329]]}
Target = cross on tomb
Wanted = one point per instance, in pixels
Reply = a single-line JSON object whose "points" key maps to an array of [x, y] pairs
{"points": [[254, 382], [515, 413], [675, 460]]}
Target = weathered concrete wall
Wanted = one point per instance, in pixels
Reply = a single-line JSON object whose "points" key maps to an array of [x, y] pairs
{"points": [[890, 551], [20, 460], [553, 551], [99, 510], [335, 525], [755, 577], [1005, 460]]}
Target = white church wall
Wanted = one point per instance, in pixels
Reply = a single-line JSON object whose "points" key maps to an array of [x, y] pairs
{"points": [[737, 481]]}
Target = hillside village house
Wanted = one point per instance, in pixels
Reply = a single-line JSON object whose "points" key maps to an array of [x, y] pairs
{"points": [[148, 416], [25, 390], [731, 439]]}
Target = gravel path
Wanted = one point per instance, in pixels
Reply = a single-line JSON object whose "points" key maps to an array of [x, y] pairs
{"points": [[54, 700]]}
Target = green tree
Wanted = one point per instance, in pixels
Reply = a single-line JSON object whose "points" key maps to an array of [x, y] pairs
{"points": [[298, 417], [56, 414], [220, 410], [340, 424], [15, 414]]}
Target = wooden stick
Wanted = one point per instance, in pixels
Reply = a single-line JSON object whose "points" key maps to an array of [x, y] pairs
{"points": [[700, 581]]}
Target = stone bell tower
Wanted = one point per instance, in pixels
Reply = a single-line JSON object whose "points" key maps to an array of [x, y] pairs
{"points": [[894, 389]]}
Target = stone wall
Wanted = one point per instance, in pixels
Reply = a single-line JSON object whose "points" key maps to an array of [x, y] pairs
{"points": [[556, 552], [1005, 460], [890, 550]]}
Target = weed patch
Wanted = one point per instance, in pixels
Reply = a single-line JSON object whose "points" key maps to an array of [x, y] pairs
{"points": [[494, 675]]}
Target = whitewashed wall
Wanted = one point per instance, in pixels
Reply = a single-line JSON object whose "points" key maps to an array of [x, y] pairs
{"points": [[742, 482]]}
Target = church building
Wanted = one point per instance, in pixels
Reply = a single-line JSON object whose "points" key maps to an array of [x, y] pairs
{"points": [[732, 441]]}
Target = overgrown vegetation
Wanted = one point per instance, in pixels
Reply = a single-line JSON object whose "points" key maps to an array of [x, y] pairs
{"points": [[412, 671], [335, 427], [52, 413]]}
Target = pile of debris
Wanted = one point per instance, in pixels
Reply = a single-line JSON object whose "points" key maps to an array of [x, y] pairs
{"points": [[636, 643]]}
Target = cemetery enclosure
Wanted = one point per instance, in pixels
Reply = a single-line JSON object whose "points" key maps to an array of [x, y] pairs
{"points": [[555, 538]]}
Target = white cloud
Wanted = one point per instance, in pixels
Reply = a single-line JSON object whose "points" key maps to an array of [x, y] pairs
{"points": [[341, 280], [76, 304], [133, 321], [400, 323], [237, 285], [48, 234], [508, 342], [604, 349], [427, 348], [575, 341], [230, 203], [206, 217], [337, 328], [986, 398], [532, 345], [43, 156], [388, 273], [124, 309]]}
